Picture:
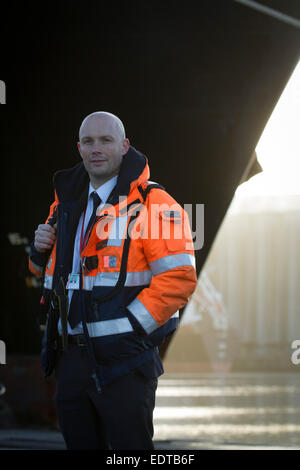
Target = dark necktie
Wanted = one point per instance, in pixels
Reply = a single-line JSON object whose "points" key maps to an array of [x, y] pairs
{"points": [[96, 202], [75, 308]]}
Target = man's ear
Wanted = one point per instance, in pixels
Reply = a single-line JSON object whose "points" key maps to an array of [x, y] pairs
{"points": [[79, 148], [126, 145]]}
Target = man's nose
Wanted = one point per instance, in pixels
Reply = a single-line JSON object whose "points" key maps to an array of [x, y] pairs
{"points": [[96, 149]]}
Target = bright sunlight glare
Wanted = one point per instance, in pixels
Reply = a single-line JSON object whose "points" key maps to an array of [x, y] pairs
{"points": [[278, 150]]}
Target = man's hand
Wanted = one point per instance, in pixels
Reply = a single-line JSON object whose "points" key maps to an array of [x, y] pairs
{"points": [[45, 236]]}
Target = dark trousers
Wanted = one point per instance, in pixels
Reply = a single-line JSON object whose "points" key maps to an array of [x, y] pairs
{"points": [[120, 417]]}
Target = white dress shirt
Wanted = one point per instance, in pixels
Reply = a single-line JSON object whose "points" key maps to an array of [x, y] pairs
{"points": [[103, 192]]}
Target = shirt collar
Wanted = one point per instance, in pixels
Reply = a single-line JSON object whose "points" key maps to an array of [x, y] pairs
{"points": [[105, 189]]}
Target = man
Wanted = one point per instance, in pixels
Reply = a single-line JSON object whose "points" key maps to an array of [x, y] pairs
{"points": [[115, 275]]}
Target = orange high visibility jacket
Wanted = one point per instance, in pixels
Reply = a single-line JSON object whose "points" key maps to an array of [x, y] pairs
{"points": [[138, 267]]}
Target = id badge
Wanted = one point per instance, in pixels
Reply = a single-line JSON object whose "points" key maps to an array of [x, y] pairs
{"points": [[73, 281]]}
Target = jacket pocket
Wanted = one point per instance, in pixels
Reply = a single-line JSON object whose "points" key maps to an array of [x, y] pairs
{"points": [[172, 229]]}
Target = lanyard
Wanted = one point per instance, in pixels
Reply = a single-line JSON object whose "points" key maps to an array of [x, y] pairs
{"points": [[82, 242]]}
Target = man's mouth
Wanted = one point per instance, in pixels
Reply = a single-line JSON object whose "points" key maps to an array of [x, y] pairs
{"points": [[98, 161]]}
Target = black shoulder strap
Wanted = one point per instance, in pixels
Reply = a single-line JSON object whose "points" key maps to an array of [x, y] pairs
{"points": [[123, 269], [145, 192]]}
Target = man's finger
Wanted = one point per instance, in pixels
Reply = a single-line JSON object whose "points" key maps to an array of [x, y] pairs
{"points": [[46, 239], [45, 234], [46, 227]]}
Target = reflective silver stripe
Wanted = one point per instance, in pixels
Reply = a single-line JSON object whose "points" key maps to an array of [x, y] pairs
{"points": [[109, 327], [117, 231], [48, 281], [114, 327], [101, 279], [142, 315], [36, 266], [172, 261], [139, 278]]}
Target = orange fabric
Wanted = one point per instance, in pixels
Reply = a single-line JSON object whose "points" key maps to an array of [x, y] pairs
{"points": [[168, 291], [52, 207], [160, 236], [34, 271], [51, 261], [53, 251]]}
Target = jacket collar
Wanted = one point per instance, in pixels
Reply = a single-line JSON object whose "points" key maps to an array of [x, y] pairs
{"points": [[71, 183]]}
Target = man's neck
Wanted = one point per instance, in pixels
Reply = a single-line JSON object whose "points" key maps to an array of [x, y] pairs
{"points": [[96, 183]]}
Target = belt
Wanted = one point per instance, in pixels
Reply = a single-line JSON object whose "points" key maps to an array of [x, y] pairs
{"points": [[79, 340]]}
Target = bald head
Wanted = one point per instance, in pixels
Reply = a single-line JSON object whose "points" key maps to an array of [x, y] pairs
{"points": [[105, 117], [102, 145]]}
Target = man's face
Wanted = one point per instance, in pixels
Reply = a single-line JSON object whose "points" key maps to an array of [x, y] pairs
{"points": [[101, 147]]}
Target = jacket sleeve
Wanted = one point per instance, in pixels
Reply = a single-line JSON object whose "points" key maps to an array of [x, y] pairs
{"points": [[37, 261], [169, 251]]}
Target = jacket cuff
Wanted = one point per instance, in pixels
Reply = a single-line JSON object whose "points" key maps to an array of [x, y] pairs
{"points": [[38, 259], [137, 327], [142, 316]]}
